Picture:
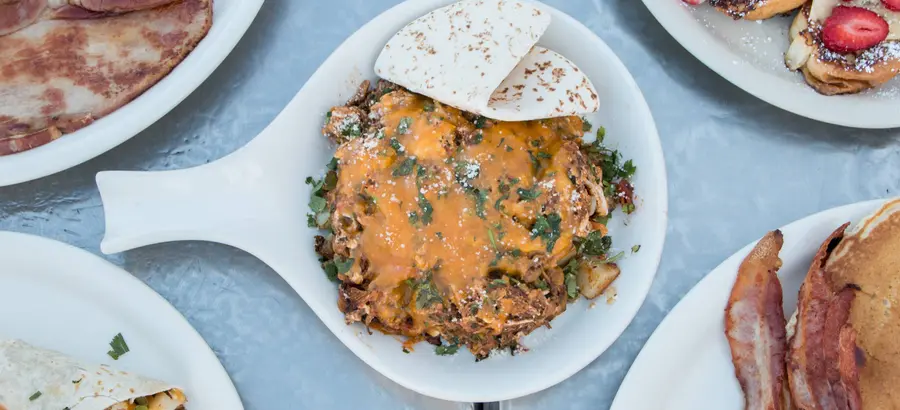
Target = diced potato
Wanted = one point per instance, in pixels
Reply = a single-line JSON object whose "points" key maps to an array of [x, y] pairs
{"points": [[594, 277]]}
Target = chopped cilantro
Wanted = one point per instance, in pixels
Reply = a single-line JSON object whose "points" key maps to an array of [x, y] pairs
{"points": [[491, 237], [501, 142], [405, 123], [427, 209], [351, 129], [395, 144], [119, 347], [343, 265], [587, 125], [509, 149], [543, 155], [601, 133], [311, 221], [333, 164], [317, 203], [440, 235], [635, 248], [628, 208], [35, 396], [481, 198], [571, 276], [547, 228], [426, 292], [478, 138], [428, 106], [480, 122], [413, 218], [446, 350], [540, 284], [595, 244], [331, 271], [536, 143], [528, 194], [628, 169], [405, 168]]}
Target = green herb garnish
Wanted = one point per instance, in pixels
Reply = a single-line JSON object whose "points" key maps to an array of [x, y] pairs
{"points": [[395, 144], [413, 218], [446, 350], [428, 106], [528, 194], [317, 203], [481, 198], [635, 248], [426, 292], [480, 122], [491, 237], [427, 209], [35, 396], [405, 168], [546, 227], [587, 125], [119, 347], [595, 244], [405, 123]]}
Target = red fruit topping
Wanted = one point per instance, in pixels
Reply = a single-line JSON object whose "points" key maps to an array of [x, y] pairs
{"points": [[892, 5], [852, 29], [693, 2]]}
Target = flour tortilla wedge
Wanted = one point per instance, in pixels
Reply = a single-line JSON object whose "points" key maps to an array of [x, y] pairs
{"points": [[64, 382], [481, 56]]}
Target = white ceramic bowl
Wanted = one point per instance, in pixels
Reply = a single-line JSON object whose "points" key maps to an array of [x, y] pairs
{"points": [[751, 55], [255, 199], [231, 19]]}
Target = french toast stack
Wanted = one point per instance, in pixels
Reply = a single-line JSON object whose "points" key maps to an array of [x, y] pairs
{"points": [[840, 46]]}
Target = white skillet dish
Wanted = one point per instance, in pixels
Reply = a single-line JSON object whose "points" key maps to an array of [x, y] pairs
{"points": [[231, 19], [255, 199], [62, 298], [751, 55], [686, 363]]}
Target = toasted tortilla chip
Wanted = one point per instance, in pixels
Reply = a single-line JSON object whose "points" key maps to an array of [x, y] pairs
{"points": [[481, 56]]}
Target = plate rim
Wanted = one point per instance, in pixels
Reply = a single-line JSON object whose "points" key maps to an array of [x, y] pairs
{"points": [[754, 80], [122, 125], [648, 352], [111, 272]]}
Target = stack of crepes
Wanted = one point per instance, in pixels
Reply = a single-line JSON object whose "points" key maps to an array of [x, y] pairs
{"points": [[32, 378], [840, 349], [481, 56]]}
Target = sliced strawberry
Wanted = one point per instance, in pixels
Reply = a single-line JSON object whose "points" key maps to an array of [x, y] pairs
{"points": [[852, 29], [694, 2], [892, 5]]}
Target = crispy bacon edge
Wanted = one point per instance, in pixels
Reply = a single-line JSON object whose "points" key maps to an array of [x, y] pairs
{"points": [[821, 361], [755, 326]]}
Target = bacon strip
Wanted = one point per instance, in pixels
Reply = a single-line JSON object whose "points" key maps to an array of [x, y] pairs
{"points": [[822, 369], [755, 326]]}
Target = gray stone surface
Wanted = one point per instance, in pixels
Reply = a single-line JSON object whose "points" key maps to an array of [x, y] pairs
{"points": [[737, 167]]}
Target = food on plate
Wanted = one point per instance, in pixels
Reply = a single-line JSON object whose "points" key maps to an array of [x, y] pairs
{"points": [[33, 378], [463, 207], [755, 9], [841, 349], [839, 46], [845, 47], [755, 326], [867, 259], [821, 363], [68, 63], [460, 230], [480, 56]]}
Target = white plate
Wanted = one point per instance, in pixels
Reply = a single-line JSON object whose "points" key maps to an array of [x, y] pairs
{"points": [[59, 297], [231, 19], [686, 363], [255, 199], [751, 55]]}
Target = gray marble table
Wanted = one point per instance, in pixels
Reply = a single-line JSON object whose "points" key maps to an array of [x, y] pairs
{"points": [[737, 167]]}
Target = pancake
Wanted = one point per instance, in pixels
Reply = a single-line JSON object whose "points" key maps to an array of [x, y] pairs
{"points": [[869, 258]]}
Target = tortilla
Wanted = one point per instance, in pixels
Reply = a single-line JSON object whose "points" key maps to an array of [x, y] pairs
{"points": [[481, 56], [64, 382]]}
